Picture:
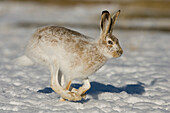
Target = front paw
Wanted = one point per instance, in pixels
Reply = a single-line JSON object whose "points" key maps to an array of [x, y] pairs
{"points": [[83, 95], [74, 96]]}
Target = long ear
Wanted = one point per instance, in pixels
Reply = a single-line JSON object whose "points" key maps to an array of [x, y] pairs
{"points": [[105, 22], [114, 18]]}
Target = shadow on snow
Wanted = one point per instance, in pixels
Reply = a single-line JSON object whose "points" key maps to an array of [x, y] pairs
{"points": [[97, 88]]}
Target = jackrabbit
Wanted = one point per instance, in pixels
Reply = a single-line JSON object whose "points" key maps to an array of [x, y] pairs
{"points": [[70, 55]]}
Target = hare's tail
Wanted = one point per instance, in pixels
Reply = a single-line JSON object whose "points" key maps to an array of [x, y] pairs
{"points": [[23, 61]]}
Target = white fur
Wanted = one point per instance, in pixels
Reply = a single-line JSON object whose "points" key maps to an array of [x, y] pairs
{"points": [[23, 60]]}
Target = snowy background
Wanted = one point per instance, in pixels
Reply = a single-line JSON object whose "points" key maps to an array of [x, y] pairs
{"points": [[137, 82]]}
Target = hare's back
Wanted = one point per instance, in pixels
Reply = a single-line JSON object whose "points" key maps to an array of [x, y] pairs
{"points": [[58, 34], [54, 39]]}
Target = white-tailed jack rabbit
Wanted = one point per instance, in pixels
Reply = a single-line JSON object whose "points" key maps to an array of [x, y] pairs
{"points": [[70, 55]]}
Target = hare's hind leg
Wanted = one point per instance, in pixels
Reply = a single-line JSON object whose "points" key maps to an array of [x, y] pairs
{"points": [[61, 79], [66, 94], [67, 88], [65, 84]]}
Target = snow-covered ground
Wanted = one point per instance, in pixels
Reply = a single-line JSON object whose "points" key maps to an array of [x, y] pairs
{"points": [[137, 82]]}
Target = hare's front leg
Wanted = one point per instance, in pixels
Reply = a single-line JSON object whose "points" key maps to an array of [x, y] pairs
{"points": [[66, 94], [82, 90]]}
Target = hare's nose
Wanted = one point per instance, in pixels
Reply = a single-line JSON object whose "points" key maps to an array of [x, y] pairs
{"points": [[120, 51]]}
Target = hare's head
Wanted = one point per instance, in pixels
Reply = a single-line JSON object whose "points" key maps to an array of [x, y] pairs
{"points": [[107, 39]]}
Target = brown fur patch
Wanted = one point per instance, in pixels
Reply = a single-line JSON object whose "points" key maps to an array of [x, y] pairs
{"points": [[68, 85], [94, 58], [39, 37], [54, 40], [41, 30], [69, 40]]}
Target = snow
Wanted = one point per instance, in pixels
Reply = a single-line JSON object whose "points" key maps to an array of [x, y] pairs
{"points": [[137, 82]]}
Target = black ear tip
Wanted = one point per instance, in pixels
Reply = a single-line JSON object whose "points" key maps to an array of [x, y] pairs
{"points": [[105, 11]]}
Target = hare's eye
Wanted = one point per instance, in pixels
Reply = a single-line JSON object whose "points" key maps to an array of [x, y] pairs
{"points": [[110, 42]]}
